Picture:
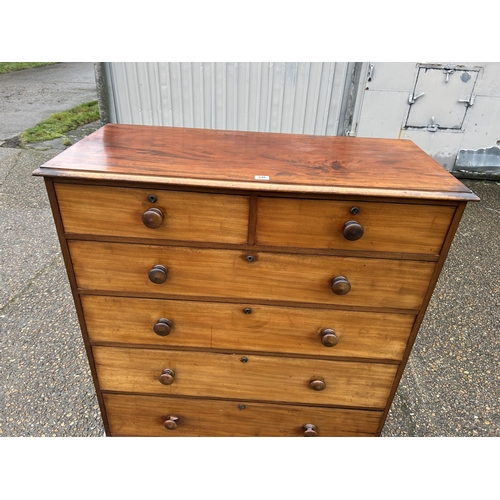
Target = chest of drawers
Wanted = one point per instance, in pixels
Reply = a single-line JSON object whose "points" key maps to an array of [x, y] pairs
{"points": [[249, 284]]}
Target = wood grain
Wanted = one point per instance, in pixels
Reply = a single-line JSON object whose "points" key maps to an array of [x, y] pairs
{"points": [[144, 416], [388, 227], [266, 328], [230, 158], [74, 291], [101, 210], [271, 276], [261, 378]]}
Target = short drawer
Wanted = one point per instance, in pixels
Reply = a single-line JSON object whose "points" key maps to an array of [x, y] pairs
{"points": [[268, 276], [380, 227], [180, 216], [255, 377], [246, 327], [146, 416]]}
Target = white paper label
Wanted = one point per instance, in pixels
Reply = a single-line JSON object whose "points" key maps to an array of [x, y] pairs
{"points": [[261, 177]]}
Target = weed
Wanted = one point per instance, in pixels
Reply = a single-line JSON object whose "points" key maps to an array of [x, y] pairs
{"points": [[58, 124]]}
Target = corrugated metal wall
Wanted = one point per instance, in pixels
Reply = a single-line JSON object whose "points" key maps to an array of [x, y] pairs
{"points": [[302, 98]]}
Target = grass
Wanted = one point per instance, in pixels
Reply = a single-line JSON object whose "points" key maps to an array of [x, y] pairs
{"points": [[7, 67], [58, 124]]}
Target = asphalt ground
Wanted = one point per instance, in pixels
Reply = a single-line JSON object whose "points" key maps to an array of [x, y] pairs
{"points": [[450, 386], [32, 95]]}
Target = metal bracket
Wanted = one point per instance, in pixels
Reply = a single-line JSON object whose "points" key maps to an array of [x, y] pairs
{"points": [[371, 67], [469, 101], [413, 98], [448, 72], [433, 126]]}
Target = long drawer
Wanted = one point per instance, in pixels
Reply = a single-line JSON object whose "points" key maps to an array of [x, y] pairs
{"points": [[381, 227], [267, 276], [254, 377], [241, 326], [101, 210], [146, 415]]}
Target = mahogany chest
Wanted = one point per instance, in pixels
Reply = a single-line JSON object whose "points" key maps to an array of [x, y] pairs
{"points": [[249, 284]]}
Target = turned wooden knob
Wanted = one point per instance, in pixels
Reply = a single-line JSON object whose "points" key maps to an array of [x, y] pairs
{"points": [[167, 376], [340, 285], [328, 338], [152, 218], [162, 327], [158, 274], [353, 230], [309, 430], [317, 384], [171, 422]]}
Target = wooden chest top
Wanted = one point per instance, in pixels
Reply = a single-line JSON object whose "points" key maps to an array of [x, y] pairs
{"points": [[255, 161]]}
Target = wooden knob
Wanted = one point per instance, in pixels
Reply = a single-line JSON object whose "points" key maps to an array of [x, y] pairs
{"points": [[162, 327], [317, 384], [167, 376], [158, 274], [328, 338], [171, 422], [353, 230], [152, 218], [309, 430], [340, 285]]}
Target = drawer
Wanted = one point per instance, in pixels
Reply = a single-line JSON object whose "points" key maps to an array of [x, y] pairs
{"points": [[146, 415], [387, 227], [270, 276], [246, 327], [263, 378], [114, 211]]}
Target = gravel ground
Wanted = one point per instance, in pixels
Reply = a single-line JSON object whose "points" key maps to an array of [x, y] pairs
{"points": [[452, 379], [450, 387], [46, 384]]}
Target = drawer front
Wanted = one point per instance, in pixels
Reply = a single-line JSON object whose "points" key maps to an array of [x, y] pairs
{"points": [[113, 211], [387, 227], [243, 327], [264, 378], [271, 276], [145, 416]]}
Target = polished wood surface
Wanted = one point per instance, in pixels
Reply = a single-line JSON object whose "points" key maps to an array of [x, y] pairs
{"points": [[186, 216], [222, 158], [270, 276], [145, 416], [212, 325], [388, 227], [255, 377]]}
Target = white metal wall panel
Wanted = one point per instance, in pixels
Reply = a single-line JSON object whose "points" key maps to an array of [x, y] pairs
{"points": [[382, 107], [291, 97]]}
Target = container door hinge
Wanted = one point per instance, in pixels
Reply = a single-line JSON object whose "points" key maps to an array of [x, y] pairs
{"points": [[371, 67], [413, 98], [469, 101]]}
